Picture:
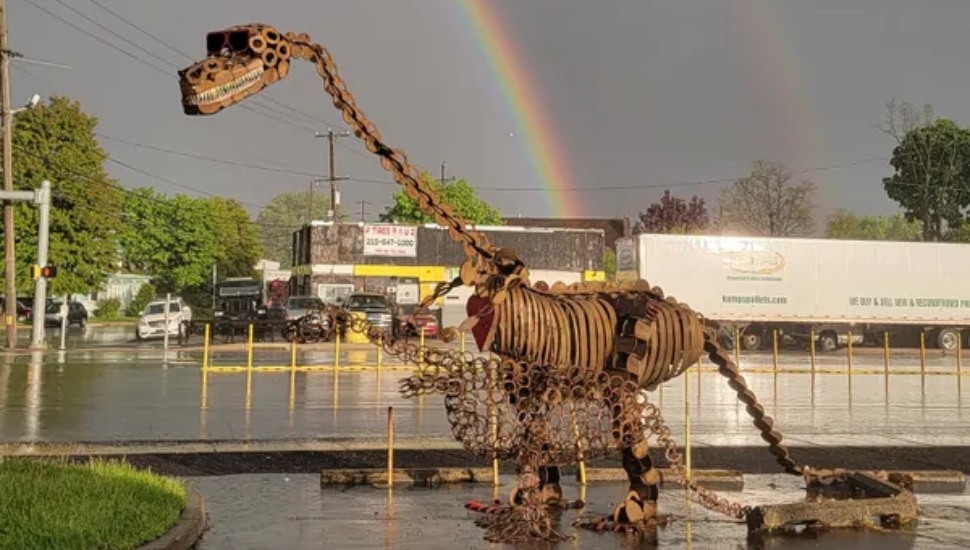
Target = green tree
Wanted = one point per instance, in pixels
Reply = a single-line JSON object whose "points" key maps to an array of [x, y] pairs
{"points": [[56, 141], [930, 162], [609, 263], [286, 213], [173, 239], [459, 195], [238, 238], [767, 203], [144, 296], [844, 224]]}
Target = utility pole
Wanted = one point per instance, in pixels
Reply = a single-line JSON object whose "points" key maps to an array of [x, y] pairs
{"points": [[333, 179], [6, 118], [363, 212]]}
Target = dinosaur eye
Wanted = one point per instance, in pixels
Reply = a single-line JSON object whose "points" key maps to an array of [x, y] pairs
{"points": [[238, 41]]}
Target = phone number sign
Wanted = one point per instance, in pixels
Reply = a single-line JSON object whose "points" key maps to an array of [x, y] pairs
{"points": [[390, 240]]}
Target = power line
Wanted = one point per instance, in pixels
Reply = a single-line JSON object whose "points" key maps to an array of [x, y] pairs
{"points": [[191, 58], [627, 187], [167, 73], [117, 187]]}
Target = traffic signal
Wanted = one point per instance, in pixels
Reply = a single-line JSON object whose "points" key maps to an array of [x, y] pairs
{"points": [[47, 272]]}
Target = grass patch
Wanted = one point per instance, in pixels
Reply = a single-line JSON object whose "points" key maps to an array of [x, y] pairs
{"points": [[102, 505]]}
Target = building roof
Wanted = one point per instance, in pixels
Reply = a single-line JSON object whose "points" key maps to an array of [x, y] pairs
{"points": [[612, 227]]}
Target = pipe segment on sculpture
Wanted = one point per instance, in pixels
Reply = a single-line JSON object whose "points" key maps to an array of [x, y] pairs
{"points": [[572, 359]]}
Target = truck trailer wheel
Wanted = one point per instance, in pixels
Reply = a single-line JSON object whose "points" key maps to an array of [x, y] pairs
{"points": [[948, 339], [828, 341], [751, 341]]}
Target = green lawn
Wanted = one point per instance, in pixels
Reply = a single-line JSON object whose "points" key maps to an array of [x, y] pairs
{"points": [[54, 505]]}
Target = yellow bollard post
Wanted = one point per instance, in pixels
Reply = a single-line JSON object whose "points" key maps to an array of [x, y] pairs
{"points": [[774, 351], [811, 350], [737, 347], [960, 365], [293, 354], [205, 349], [687, 445], [922, 360], [380, 352], [249, 347], [848, 353], [492, 381], [885, 363], [579, 446], [390, 446], [336, 352], [421, 348]]}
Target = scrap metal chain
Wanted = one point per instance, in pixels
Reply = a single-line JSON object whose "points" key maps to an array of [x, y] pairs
{"points": [[762, 421], [395, 161], [675, 459]]}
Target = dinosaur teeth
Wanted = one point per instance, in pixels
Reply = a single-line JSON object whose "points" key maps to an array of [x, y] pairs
{"points": [[220, 93]]}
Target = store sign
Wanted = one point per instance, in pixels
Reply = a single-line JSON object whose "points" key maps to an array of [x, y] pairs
{"points": [[626, 259], [391, 240]]}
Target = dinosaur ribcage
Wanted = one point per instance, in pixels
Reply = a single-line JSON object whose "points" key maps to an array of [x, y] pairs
{"points": [[575, 330], [652, 339]]}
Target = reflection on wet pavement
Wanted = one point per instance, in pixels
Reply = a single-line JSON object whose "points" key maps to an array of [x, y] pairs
{"points": [[130, 395], [293, 512]]}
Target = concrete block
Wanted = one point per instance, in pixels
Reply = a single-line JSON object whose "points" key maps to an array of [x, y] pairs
{"points": [[717, 480]]}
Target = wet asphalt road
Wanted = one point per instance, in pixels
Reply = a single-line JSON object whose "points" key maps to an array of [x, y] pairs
{"points": [[119, 390], [293, 512], [99, 395]]}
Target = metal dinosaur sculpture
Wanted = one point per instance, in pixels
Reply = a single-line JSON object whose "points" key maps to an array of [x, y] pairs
{"points": [[569, 365]]}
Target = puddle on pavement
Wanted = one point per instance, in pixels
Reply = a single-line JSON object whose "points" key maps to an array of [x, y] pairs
{"points": [[293, 512]]}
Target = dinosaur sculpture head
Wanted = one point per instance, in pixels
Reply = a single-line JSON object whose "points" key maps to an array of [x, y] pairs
{"points": [[240, 61]]}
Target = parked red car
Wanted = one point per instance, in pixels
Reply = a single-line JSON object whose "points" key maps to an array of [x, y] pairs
{"points": [[410, 325]]}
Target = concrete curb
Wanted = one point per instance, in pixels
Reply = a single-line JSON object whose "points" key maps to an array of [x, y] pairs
{"points": [[719, 480], [924, 482], [188, 529]]}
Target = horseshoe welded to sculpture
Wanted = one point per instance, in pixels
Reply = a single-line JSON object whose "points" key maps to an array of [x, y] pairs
{"points": [[572, 363]]}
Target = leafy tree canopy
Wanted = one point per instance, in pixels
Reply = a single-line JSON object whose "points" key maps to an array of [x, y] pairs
{"points": [[286, 213], [56, 141], [459, 195], [238, 238], [176, 239], [847, 225], [767, 203], [675, 215], [930, 183]]}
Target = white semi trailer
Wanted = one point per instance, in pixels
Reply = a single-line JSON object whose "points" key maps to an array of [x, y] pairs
{"points": [[832, 287]]}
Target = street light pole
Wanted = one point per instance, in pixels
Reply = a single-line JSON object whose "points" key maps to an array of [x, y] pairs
{"points": [[6, 118]]}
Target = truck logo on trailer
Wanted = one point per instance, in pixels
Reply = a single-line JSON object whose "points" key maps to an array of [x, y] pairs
{"points": [[761, 263]]}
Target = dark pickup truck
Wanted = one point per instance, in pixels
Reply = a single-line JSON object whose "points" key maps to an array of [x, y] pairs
{"points": [[377, 309]]}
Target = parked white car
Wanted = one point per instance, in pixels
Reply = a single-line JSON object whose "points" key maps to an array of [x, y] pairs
{"points": [[151, 323]]}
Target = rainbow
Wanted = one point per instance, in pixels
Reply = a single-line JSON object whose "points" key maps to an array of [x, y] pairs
{"points": [[533, 125]]}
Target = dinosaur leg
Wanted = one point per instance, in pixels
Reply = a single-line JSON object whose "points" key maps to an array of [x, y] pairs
{"points": [[637, 512]]}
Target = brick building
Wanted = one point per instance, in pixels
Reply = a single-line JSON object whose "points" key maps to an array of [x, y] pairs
{"points": [[332, 260]]}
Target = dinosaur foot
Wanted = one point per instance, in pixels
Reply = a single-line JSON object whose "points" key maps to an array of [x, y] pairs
{"points": [[529, 515], [635, 515], [549, 495]]}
